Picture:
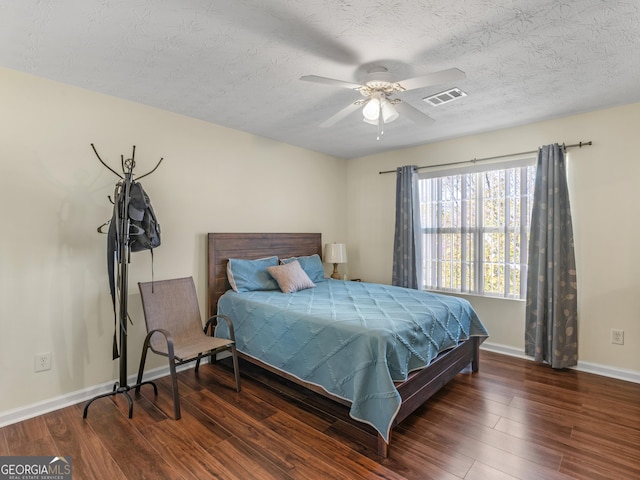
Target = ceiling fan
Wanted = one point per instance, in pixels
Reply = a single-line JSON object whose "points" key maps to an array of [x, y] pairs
{"points": [[377, 88]]}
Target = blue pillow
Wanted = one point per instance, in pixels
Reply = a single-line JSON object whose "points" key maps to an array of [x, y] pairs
{"points": [[250, 275], [312, 266]]}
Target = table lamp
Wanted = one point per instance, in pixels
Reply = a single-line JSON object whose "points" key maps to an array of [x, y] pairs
{"points": [[335, 253]]}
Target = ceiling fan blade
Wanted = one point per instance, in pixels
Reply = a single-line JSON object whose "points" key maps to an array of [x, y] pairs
{"points": [[341, 114], [283, 24], [436, 78], [330, 81], [413, 114]]}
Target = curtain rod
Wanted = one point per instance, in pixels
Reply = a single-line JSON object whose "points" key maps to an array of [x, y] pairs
{"points": [[580, 145]]}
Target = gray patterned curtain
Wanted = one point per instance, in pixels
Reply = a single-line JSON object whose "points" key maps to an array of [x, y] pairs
{"points": [[406, 258], [551, 333]]}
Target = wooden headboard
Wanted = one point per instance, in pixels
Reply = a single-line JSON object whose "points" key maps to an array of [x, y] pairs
{"points": [[223, 246]]}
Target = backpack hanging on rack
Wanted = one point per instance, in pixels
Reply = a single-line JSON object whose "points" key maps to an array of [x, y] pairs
{"points": [[143, 234]]}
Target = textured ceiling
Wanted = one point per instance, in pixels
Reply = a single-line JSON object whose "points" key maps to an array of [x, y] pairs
{"points": [[237, 63]]}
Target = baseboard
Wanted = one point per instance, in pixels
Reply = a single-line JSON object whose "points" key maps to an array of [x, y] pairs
{"points": [[606, 371], [588, 367], [504, 349], [24, 413]]}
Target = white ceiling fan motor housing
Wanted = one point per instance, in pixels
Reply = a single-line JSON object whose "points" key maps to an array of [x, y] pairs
{"points": [[378, 79]]}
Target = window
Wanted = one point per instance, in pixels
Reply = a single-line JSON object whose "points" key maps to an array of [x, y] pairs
{"points": [[475, 229]]}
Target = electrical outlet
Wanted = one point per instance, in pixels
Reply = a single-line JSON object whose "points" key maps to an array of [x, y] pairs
{"points": [[42, 362], [617, 337]]}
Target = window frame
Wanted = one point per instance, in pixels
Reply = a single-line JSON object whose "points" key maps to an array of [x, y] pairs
{"points": [[479, 231]]}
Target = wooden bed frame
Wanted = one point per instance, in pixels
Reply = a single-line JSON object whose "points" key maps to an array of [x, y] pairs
{"points": [[419, 387]]}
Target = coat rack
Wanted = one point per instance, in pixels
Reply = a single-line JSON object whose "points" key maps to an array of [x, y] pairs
{"points": [[123, 258]]}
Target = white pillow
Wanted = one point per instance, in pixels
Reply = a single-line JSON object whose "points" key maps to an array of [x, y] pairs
{"points": [[291, 277]]}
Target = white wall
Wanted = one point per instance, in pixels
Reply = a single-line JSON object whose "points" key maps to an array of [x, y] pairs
{"points": [[603, 183], [53, 195]]}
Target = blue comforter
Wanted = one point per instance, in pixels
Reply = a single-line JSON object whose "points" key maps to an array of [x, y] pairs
{"points": [[353, 339]]}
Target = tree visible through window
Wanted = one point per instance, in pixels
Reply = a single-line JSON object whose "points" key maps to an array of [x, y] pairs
{"points": [[475, 229]]}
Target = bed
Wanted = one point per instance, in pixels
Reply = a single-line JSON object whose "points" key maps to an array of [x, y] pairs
{"points": [[380, 350]]}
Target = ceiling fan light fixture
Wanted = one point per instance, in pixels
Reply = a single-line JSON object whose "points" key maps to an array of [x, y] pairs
{"points": [[389, 112], [371, 110]]}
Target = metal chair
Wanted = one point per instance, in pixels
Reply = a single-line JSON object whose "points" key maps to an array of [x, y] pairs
{"points": [[174, 329]]}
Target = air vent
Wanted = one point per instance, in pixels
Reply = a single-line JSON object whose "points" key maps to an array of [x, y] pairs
{"points": [[445, 97]]}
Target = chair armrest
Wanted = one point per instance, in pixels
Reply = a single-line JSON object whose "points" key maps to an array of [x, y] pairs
{"points": [[213, 321], [167, 336]]}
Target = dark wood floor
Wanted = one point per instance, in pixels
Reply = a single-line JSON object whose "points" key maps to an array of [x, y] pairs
{"points": [[513, 419]]}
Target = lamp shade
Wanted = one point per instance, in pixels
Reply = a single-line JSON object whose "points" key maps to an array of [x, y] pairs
{"points": [[335, 253], [389, 112], [383, 107], [371, 110]]}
